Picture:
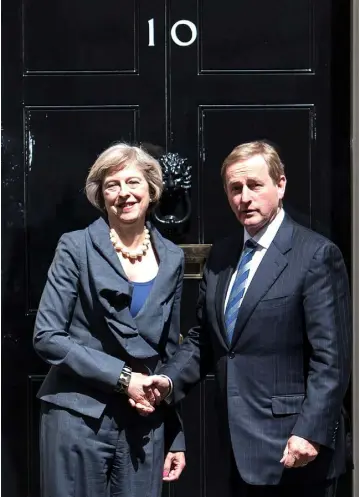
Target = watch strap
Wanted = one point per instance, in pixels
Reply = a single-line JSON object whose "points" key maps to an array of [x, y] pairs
{"points": [[123, 380]]}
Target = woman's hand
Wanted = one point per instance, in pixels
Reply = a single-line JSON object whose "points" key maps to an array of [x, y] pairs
{"points": [[175, 463], [136, 392], [155, 388]]}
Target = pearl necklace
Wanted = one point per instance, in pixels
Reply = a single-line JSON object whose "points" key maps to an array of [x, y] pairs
{"points": [[130, 254]]}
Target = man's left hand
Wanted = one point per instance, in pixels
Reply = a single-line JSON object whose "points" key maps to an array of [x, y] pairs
{"points": [[299, 452], [174, 465]]}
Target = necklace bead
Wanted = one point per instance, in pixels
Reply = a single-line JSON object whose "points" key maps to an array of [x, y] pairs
{"points": [[140, 251]]}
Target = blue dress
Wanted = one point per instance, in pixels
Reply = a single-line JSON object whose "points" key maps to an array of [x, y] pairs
{"points": [[139, 295]]}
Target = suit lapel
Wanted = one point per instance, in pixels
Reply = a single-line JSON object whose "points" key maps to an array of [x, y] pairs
{"points": [[100, 235], [141, 334], [143, 331], [108, 276], [270, 268], [162, 286], [224, 279]]}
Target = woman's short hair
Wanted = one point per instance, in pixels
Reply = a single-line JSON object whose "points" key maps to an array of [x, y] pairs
{"points": [[117, 157], [249, 150]]}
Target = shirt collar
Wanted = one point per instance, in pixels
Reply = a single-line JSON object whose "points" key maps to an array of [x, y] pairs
{"points": [[265, 236]]}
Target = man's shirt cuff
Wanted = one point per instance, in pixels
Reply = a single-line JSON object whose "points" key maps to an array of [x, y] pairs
{"points": [[169, 397]]}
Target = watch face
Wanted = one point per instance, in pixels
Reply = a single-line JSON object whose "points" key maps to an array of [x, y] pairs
{"points": [[118, 388], [126, 380]]}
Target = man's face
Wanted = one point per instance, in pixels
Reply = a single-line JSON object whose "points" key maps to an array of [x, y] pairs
{"points": [[253, 196]]}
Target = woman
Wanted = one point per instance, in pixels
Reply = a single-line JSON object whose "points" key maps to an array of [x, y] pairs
{"points": [[109, 313]]}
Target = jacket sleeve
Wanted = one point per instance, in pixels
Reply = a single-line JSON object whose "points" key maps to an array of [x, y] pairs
{"points": [[174, 435], [51, 338], [193, 359], [327, 313]]}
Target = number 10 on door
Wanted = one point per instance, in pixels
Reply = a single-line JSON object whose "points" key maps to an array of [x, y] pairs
{"points": [[192, 28]]}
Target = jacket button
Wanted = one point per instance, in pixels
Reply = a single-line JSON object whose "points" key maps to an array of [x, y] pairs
{"points": [[231, 355]]}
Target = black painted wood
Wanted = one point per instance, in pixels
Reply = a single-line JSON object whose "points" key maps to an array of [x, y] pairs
{"points": [[79, 75]]}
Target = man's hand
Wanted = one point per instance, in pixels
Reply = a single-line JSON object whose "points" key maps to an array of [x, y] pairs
{"points": [[138, 395], [159, 385], [174, 465], [155, 388], [299, 452]]}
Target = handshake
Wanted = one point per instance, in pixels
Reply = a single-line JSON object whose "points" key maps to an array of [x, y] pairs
{"points": [[145, 392]]}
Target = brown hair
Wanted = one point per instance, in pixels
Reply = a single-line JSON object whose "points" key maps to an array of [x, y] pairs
{"points": [[115, 158], [247, 151]]}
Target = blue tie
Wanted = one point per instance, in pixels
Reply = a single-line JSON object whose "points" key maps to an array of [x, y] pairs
{"points": [[238, 288]]}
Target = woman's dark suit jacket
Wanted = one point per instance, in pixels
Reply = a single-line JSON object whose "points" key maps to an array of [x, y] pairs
{"points": [[84, 328]]}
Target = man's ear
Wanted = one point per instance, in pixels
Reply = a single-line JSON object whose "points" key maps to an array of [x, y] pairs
{"points": [[282, 183]]}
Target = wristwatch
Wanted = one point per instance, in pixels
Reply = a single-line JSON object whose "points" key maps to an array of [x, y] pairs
{"points": [[124, 380]]}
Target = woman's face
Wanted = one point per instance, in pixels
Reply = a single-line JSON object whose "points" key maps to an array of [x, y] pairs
{"points": [[126, 195]]}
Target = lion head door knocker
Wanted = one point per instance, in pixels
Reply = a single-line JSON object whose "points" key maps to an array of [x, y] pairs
{"points": [[174, 210]]}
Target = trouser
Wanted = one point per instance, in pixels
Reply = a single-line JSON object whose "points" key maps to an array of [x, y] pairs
{"points": [[119, 455]]}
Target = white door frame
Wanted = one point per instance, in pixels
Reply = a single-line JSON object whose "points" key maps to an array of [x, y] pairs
{"points": [[355, 232]]}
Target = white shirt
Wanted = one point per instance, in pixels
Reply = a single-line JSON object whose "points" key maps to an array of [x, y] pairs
{"points": [[264, 238]]}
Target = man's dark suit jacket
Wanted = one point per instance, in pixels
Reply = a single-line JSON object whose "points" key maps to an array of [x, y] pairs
{"points": [[287, 368], [84, 328]]}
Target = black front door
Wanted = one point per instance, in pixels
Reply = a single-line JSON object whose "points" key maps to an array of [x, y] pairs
{"points": [[192, 78]]}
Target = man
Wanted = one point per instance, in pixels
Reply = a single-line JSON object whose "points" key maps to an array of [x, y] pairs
{"points": [[275, 326]]}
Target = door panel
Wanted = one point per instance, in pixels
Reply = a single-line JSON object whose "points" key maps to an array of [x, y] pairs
{"points": [[238, 39], [57, 160], [222, 127], [68, 37], [78, 76]]}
